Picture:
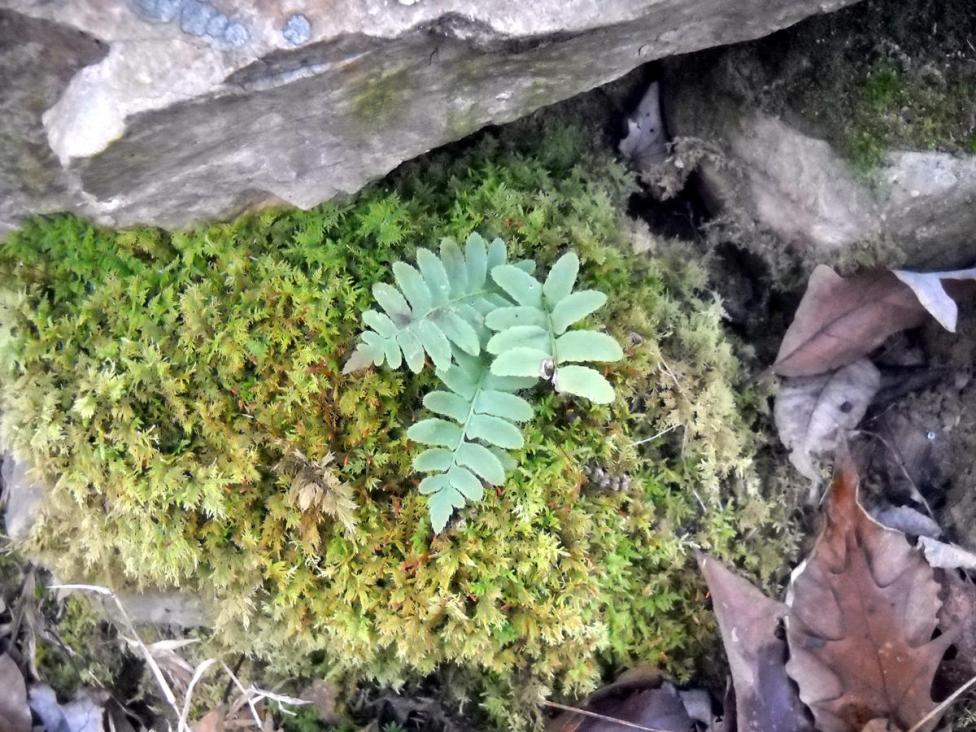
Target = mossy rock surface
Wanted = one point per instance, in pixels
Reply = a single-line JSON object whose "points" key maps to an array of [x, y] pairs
{"points": [[157, 379], [879, 76]]}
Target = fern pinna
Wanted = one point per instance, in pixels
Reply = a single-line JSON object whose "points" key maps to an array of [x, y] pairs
{"points": [[482, 408], [491, 329], [440, 302]]}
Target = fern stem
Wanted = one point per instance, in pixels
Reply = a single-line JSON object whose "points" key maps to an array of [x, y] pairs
{"points": [[464, 427]]}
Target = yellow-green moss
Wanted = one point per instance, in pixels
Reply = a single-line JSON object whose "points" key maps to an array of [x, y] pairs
{"points": [[156, 379]]}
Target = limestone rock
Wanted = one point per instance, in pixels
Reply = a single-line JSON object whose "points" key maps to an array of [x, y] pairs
{"points": [[22, 497], [770, 169], [162, 608], [172, 111]]}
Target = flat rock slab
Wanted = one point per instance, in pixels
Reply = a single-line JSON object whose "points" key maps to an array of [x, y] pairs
{"points": [[22, 497], [170, 112]]}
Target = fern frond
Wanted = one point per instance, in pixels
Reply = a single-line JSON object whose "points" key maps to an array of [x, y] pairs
{"points": [[438, 304], [533, 339], [469, 446]]}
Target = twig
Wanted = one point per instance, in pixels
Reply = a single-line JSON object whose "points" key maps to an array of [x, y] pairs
{"points": [[150, 661], [230, 682], [201, 669], [943, 706], [603, 717], [246, 695], [677, 383], [655, 436]]}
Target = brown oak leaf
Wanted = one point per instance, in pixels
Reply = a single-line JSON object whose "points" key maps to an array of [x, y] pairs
{"points": [[863, 610], [640, 697], [840, 319], [766, 700], [958, 616]]}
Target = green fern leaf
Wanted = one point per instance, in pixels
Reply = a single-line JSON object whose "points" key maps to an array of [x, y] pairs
{"points": [[440, 302], [573, 308], [531, 338], [587, 345], [585, 382], [468, 447]]}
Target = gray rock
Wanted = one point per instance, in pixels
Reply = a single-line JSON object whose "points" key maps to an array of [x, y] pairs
{"points": [[147, 112], [798, 187], [162, 608], [22, 498]]}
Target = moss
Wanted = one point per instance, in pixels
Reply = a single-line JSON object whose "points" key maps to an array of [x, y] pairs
{"points": [[81, 650], [156, 380], [878, 78], [382, 96]]}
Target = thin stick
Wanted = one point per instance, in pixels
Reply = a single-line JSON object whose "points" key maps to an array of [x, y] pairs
{"points": [[246, 695], [670, 373], [197, 675], [594, 715], [655, 436], [943, 706], [154, 667]]}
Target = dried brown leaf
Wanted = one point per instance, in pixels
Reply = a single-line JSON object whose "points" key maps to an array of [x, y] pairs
{"points": [[907, 520], [935, 291], [840, 320], [639, 697], [943, 555], [813, 412], [766, 700], [15, 714], [957, 617], [213, 721], [863, 609]]}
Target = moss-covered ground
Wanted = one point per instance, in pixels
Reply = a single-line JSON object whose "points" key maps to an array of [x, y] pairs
{"points": [[156, 379]]}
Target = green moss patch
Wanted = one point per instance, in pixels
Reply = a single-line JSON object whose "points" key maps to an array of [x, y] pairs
{"points": [[887, 75], [158, 379]]}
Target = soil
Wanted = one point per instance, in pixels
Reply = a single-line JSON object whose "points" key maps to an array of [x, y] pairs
{"points": [[923, 427]]}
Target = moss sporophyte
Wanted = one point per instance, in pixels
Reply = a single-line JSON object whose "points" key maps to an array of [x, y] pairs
{"points": [[183, 395]]}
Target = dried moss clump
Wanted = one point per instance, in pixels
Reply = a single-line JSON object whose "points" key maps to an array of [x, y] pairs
{"points": [[181, 393]]}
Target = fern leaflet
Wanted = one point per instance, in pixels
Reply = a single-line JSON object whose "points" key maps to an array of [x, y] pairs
{"points": [[533, 339], [469, 446], [435, 307]]}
